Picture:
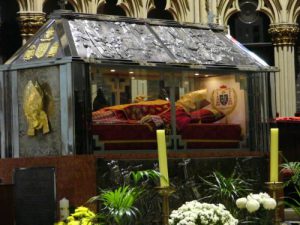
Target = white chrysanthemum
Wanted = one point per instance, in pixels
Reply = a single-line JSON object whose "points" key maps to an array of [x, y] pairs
{"points": [[203, 213], [252, 205], [264, 195], [269, 203], [254, 196], [241, 203]]}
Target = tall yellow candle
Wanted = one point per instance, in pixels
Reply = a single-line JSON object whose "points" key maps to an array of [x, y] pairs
{"points": [[162, 158], [274, 155]]}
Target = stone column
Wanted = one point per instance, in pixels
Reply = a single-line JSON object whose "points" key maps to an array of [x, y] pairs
{"points": [[203, 12], [30, 22], [284, 37]]}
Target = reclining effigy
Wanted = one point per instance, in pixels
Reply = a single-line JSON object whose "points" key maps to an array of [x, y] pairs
{"points": [[132, 126]]}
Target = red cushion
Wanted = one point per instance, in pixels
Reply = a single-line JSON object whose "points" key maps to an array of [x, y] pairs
{"points": [[206, 115]]}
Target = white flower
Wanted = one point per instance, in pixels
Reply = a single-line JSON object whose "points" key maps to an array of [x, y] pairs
{"points": [[252, 205], [196, 213], [253, 201], [241, 203], [254, 196], [269, 203], [264, 195]]}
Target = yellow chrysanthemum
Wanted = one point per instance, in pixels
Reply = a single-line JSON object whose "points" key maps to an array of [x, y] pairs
{"points": [[81, 209], [70, 218], [74, 223], [60, 223]]}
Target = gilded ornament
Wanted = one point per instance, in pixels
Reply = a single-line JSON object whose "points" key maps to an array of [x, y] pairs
{"points": [[49, 34], [29, 53], [30, 23], [53, 49], [224, 99], [33, 106], [42, 49], [284, 34]]}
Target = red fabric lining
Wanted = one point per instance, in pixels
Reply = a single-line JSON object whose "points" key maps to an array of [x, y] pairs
{"points": [[206, 115], [123, 132], [212, 131], [291, 118]]}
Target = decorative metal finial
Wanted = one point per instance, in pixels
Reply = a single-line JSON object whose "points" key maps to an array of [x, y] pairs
{"points": [[62, 4]]}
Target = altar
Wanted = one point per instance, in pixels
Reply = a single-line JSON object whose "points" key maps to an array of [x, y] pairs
{"points": [[93, 83]]}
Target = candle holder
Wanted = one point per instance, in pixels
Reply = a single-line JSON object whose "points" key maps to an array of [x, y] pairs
{"points": [[275, 188], [165, 192]]}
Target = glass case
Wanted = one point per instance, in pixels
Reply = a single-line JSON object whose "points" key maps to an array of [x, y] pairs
{"points": [[198, 109], [88, 83]]}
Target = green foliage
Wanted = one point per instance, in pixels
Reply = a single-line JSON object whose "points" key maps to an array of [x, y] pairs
{"points": [[144, 176], [220, 189], [294, 203], [294, 169], [119, 206]]}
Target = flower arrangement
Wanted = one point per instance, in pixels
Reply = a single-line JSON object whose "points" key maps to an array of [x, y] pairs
{"points": [[81, 216], [259, 209], [196, 213], [253, 202]]}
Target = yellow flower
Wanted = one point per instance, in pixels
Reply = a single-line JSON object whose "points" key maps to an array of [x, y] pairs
{"points": [[81, 209], [70, 218], [74, 223], [60, 223], [86, 221]]}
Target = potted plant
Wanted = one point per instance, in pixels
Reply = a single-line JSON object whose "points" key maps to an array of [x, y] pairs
{"points": [[119, 206], [218, 188], [291, 177], [256, 209]]}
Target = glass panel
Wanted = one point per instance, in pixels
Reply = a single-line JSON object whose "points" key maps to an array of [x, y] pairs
{"points": [[128, 106], [198, 110], [260, 103], [211, 111]]}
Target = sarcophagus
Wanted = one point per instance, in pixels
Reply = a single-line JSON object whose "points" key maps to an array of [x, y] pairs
{"points": [[87, 83]]}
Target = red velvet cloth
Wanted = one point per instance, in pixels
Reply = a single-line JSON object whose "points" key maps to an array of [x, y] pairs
{"points": [[135, 113], [109, 132], [125, 136], [295, 119], [198, 136], [212, 145], [206, 115], [212, 135], [182, 118], [212, 131]]}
